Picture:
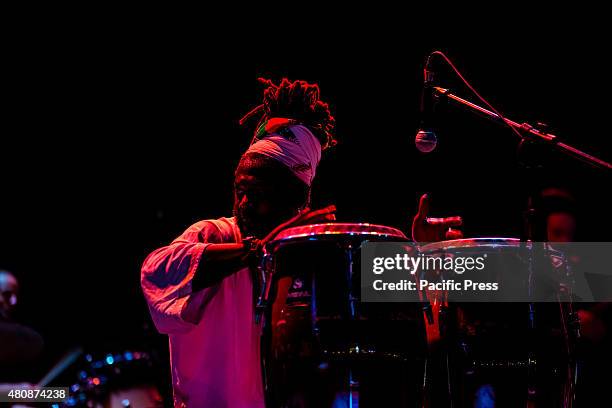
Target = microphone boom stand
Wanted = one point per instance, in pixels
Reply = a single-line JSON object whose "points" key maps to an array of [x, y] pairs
{"points": [[530, 236], [528, 131]]}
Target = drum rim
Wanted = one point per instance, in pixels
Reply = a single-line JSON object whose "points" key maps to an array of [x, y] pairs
{"points": [[491, 242], [494, 242], [337, 229]]}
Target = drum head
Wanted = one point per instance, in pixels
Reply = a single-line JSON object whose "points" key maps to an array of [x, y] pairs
{"points": [[337, 231], [494, 242]]}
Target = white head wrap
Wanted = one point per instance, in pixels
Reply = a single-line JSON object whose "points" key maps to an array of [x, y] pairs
{"points": [[301, 153]]}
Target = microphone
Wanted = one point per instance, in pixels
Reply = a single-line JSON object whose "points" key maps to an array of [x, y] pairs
{"points": [[426, 140]]}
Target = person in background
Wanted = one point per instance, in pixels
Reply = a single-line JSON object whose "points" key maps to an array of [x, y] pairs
{"points": [[560, 212], [561, 215], [19, 345]]}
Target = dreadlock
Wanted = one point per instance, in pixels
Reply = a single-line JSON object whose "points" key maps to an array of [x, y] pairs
{"points": [[298, 100]]}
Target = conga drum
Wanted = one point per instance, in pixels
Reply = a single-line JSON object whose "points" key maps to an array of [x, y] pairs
{"points": [[515, 344], [323, 347]]}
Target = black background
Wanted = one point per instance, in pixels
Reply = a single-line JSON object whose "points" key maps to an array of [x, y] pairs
{"points": [[115, 142]]}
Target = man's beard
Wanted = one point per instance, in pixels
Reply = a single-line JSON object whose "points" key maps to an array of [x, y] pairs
{"points": [[251, 226], [254, 225]]}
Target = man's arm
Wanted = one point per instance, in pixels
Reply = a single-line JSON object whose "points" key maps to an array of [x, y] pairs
{"points": [[197, 262], [221, 260], [217, 262], [168, 273]]}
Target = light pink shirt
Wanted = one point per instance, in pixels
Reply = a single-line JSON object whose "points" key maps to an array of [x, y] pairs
{"points": [[214, 341]]}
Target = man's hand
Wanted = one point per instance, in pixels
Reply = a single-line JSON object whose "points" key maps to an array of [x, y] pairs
{"points": [[425, 229], [305, 217]]}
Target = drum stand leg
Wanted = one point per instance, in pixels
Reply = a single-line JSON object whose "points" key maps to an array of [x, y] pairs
{"points": [[531, 357], [353, 384], [437, 387], [353, 394]]}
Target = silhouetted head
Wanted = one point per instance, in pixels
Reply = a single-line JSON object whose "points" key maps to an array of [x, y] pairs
{"points": [[9, 288]]}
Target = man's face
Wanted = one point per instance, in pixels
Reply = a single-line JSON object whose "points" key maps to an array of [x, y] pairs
{"points": [[264, 197], [561, 227]]}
